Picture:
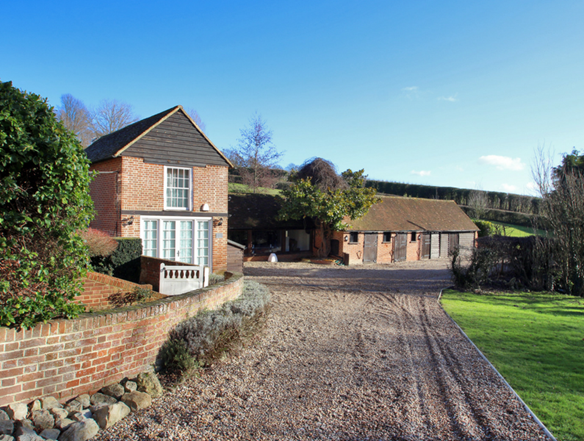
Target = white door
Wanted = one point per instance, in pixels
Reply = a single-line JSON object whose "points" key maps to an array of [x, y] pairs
{"points": [[177, 240]]}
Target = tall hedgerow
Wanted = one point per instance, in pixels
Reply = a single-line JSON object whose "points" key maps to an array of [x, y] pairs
{"points": [[44, 201]]}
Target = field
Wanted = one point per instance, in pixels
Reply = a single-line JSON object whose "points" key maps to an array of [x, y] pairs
{"points": [[536, 341], [242, 188], [517, 230]]}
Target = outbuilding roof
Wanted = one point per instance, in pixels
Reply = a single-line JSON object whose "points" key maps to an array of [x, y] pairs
{"points": [[413, 214], [120, 141]]}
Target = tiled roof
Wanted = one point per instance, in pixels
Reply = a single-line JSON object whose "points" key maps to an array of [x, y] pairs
{"points": [[413, 214], [109, 145], [260, 212]]}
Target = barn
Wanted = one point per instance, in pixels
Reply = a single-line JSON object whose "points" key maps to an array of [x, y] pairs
{"points": [[404, 229]]}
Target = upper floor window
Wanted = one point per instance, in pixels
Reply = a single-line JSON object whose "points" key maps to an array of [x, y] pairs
{"points": [[177, 188]]}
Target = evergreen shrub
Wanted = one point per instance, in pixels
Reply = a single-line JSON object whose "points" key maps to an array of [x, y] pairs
{"points": [[124, 262], [44, 203]]}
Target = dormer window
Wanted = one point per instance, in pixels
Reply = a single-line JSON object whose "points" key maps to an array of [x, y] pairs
{"points": [[177, 188]]}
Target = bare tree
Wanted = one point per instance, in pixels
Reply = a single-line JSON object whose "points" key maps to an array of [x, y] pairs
{"points": [[76, 117], [562, 190], [478, 201], [196, 118], [256, 155], [111, 115]]}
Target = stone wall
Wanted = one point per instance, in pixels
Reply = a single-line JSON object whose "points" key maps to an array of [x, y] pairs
{"points": [[65, 358]]}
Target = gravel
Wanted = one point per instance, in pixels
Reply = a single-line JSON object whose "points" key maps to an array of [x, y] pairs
{"points": [[348, 353]]}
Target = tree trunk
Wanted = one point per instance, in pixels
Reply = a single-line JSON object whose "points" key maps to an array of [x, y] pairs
{"points": [[325, 245]]}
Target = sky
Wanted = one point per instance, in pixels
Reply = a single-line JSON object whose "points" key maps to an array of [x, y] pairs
{"points": [[445, 93]]}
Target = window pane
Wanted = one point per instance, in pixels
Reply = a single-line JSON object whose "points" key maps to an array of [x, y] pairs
{"points": [[178, 188], [150, 238], [203, 243]]}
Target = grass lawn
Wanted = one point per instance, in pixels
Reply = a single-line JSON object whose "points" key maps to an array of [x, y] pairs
{"points": [[241, 188], [536, 341], [518, 230]]}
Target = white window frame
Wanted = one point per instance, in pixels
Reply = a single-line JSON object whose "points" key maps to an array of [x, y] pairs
{"points": [[190, 197], [161, 219]]}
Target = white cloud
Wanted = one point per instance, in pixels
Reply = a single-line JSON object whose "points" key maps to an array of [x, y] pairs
{"points": [[532, 186], [410, 89], [503, 162], [508, 188], [421, 173], [451, 98]]}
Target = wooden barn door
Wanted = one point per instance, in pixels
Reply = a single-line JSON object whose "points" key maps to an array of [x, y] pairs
{"points": [[452, 242], [370, 248], [426, 246], [400, 250]]}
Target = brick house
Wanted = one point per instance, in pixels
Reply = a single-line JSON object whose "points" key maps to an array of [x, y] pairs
{"points": [[399, 229], [161, 179]]}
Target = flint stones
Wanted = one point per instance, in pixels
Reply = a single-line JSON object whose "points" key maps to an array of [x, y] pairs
{"points": [[25, 424], [84, 400], [99, 398], [6, 438], [6, 427], [25, 434], [50, 433], [64, 423], [82, 415], [17, 411], [137, 400], [107, 416], [114, 390], [80, 431], [49, 403], [36, 405], [73, 407], [148, 382], [4, 416], [131, 386], [59, 413], [43, 419]]}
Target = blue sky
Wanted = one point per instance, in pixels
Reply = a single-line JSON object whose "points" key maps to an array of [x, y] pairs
{"points": [[437, 93]]}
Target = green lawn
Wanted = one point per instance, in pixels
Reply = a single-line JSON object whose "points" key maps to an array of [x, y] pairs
{"points": [[536, 341], [241, 188], [517, 230]]}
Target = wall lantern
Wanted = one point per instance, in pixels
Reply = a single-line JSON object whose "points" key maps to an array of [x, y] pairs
{"points": [[128, 221], [346, 238], [218, 222], [205, 207]]}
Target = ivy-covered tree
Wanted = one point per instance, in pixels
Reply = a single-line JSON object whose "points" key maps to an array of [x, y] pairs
{"points": [[44, 202], [329, 199]]}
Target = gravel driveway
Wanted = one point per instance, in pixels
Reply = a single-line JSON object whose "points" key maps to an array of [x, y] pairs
{"points": [[358, 353]]}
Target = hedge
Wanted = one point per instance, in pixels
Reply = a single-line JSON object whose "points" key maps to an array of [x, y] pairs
{"points": [[124, 262]]}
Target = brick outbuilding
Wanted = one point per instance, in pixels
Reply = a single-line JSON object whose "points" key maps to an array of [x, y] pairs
{"points": [[398, 229], [162, 179]]}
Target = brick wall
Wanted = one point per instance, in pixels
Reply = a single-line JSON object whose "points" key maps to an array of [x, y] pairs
{"points": [[97, 289], [414, 250], [105, 193], [66, 358], [385, 249]]}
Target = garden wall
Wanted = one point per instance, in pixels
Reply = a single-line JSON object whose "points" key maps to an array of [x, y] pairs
{"points": [[66, 358], [98, 289]]}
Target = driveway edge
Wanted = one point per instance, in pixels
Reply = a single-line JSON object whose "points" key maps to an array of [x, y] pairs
{"points": [[534, 416]]}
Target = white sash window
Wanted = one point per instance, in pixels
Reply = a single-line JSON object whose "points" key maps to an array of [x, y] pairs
{"points": [[177, 188]]}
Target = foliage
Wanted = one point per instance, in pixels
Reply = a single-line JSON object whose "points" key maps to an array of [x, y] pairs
{"points": [[478, 201], [124, 262], [510, 262], [486, 228], [174, 356], [44, 200], [255, 155], [496, 200], [244, 189], [535, 341], [329, 207], [99, 243], [507, 217], [137, 295], [209, 334]]}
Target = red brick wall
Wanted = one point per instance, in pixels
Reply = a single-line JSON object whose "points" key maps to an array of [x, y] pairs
{"points": [[354, 250], [414, 250], [104, 191], [385, 249], [66, 358], [97, 288]]}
